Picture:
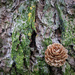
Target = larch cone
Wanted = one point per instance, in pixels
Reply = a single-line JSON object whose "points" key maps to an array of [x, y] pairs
{"points": [[56, 55]]}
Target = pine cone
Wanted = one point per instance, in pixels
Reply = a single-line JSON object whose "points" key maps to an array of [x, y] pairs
{"points": [[56, 55]]}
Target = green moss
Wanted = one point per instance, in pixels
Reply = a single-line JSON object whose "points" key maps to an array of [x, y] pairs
{"points": [[63, 23], [21, 37], [68, 70], [66, 28], [46, 42], [42, 66]]}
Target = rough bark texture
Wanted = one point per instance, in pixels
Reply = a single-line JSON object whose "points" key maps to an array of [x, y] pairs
{"points": [[50, 28]]}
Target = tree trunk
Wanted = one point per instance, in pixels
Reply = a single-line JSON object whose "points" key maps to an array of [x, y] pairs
{"points": [[54, 23]]}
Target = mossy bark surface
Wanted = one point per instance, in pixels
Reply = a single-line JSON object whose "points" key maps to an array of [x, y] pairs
{"points": [[27, 27]]}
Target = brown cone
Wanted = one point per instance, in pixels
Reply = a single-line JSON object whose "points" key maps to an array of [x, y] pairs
{"points": [[56, 55]]}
